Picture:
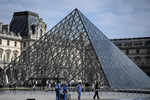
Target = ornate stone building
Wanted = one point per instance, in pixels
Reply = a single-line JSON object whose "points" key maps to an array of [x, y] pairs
{"points": [[25, 28], [137, 49]]}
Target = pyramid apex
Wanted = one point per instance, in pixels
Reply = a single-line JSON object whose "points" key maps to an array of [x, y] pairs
{"points": [[76, 9]]}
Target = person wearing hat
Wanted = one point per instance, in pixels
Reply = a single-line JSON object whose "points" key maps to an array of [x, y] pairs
{"points": [[79, 90]]}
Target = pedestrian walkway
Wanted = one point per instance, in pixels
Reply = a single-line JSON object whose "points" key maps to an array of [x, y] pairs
{"points": [[41, 95]]}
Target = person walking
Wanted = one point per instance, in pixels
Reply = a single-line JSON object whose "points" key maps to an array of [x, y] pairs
{"points": [[96, 87], [79, 90], [58, 90], [65, 91]]}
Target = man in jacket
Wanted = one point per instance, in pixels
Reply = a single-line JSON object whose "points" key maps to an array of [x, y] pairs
{"points": [[96, 87], [79, 90], [58, 90]]}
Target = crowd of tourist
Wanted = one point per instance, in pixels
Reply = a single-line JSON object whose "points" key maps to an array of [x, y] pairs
{"points": [[62, 91]]}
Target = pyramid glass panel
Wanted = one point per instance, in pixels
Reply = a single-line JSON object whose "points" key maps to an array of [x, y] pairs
{"points": [[75, 49]]}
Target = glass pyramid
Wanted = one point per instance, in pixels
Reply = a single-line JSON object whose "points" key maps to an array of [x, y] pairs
{"points": [[75, 49]]}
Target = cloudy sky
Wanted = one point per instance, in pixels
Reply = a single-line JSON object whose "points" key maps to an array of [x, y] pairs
{"points": [[116, 18]]}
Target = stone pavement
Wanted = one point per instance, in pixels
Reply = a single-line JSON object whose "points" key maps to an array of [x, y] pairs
{"points": [[42, 95]]}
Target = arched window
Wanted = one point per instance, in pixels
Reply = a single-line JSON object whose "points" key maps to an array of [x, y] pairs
{"points": [[15, 53], [41, 32], [8, 52], [1, 54]]}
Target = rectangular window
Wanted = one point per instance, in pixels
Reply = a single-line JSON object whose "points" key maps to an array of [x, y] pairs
{"points": [[24, 44], [8, 42], [132, 51], [15, 43], [128, 44], [143, 51], [138, 44], [117, 44], [137, 51], [0, 41]]}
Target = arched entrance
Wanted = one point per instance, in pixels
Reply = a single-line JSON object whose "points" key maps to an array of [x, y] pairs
{"points": [[2, 80]]}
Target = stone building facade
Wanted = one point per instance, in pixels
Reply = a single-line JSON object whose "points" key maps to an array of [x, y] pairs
{"points": [[10, 48], [137, 49], [24, 29]]}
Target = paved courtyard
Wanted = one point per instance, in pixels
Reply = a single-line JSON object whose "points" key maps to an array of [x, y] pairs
{"points": [[42, 95]]}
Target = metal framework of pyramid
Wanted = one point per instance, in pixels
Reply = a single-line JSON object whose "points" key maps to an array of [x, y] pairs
{"points": [[75, 49]]}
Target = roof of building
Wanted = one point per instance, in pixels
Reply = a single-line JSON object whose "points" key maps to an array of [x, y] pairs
{"points": [[130, 36], [25, 13], [133, 38], [22, 21]]}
